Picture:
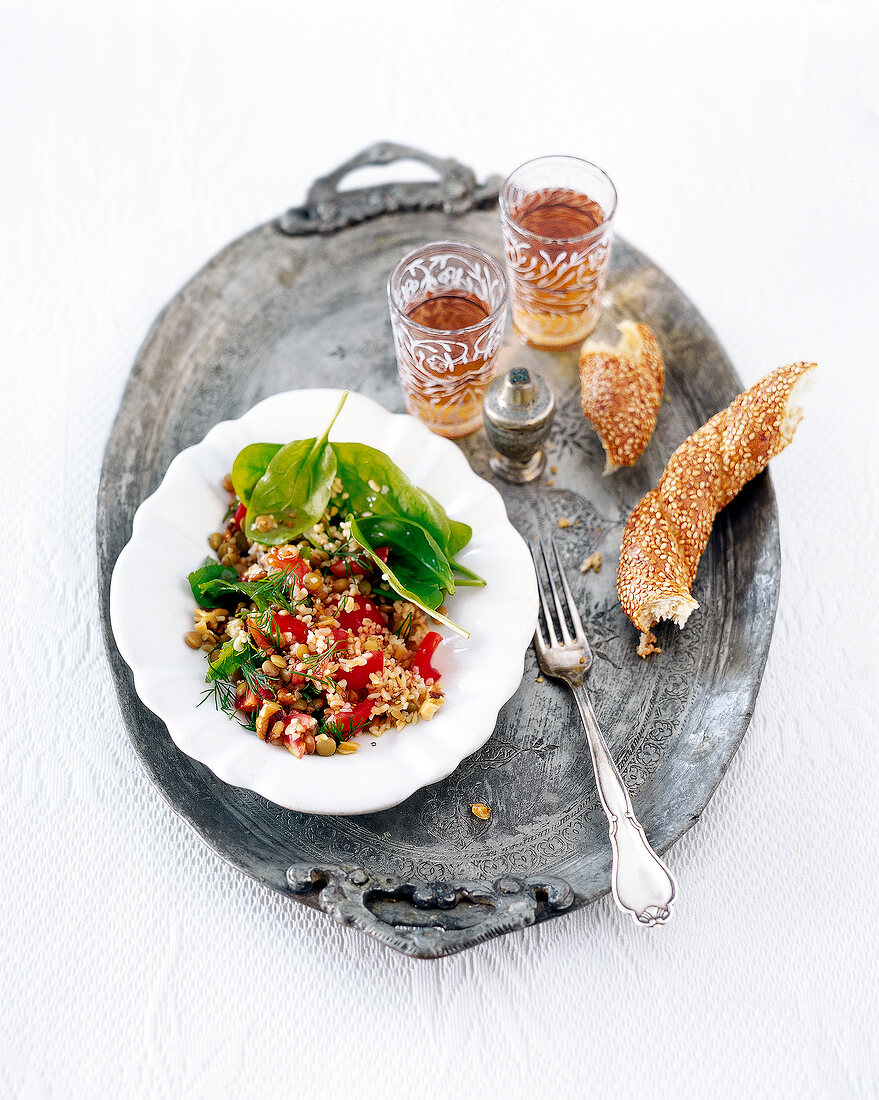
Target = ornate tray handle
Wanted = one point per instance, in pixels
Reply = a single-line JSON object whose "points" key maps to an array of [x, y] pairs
{"points": [[429, 919], [327, 208]]}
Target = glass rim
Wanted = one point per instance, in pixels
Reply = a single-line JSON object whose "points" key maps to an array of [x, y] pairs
{"points": [[506, 216], [501, 307]]}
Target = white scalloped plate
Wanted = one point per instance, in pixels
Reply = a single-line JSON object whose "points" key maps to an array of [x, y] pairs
{"points": [[151, 609]]}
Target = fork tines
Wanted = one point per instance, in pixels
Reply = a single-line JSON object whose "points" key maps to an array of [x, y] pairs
{"points": [[573, 615]]}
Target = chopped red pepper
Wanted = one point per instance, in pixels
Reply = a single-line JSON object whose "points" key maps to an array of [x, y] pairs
{"points": [[282, 623], [421, 660], [364, 608], [238, 518], [349, 719], [290, 624], [358, 678]]}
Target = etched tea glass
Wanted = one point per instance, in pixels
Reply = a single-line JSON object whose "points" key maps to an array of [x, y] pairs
{"points": [[557, 220], [448, 303]]}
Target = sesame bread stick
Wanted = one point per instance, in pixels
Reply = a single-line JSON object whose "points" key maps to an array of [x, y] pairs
{"points": [[667, 532], [620, 392]]}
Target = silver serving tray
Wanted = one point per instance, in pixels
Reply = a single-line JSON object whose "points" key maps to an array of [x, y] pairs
{"points": [[301, 302]]}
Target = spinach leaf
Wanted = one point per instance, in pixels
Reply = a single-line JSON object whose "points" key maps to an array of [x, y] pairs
{"points": [[295, 489], [461, 533], [414, 551], [203, 583], [249, 467], [213, 585], [425, 593], [358, 465]]}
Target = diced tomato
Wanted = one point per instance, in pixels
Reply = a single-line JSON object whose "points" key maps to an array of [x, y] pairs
{"points": [[357, 565], [421, 660], [358, 678], [246, 699], [283, 557], [290, 624], [350, 567], [341, 638], [238, 518], [298, 735], [364, 608], [349, 719], [294, 745], [259, 639], [283, 623]]}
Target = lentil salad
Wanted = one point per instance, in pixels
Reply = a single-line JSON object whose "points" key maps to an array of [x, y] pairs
{"points": [[316, 626]]}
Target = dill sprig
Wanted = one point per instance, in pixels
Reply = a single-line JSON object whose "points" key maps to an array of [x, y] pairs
{"points": [[267, 625], [213, 585], [332, 727], [277, 589], [312, 663], [258, 682], [222, 694], [350, 552], [405, 628]]}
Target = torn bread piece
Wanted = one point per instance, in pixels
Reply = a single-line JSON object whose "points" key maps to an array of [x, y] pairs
{"points": [[667, 532], [621, 390]]}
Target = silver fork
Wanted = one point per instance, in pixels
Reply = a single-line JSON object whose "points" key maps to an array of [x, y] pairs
{"points": [[642, 885]]}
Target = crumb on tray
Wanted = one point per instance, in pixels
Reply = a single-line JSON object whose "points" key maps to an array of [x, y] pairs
{"points": [[592, 562]]}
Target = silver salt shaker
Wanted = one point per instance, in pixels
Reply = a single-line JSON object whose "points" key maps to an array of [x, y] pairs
{"points": [[518, 411]]}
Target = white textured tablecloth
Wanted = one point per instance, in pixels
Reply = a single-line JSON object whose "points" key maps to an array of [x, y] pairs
{"points": [[135, 141]]}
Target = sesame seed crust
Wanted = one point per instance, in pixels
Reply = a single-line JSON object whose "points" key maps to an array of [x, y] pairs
{"points": [[667, 532], [621, 390]]}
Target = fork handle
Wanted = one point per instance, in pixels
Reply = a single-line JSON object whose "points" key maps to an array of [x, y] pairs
{"points": [[642, 885]]}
